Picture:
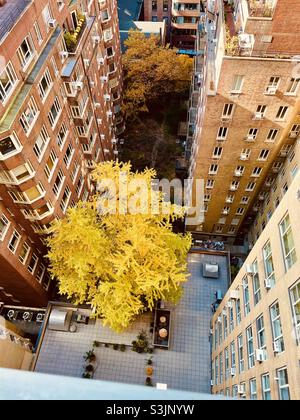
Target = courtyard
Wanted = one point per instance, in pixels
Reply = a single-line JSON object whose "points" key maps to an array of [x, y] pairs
{"points": [[184, 366]]}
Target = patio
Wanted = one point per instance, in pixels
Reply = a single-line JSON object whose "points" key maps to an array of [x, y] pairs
{"points": [[185, 366]]}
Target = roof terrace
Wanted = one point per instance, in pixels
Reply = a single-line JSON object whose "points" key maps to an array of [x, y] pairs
{"points": [[10, 12]]}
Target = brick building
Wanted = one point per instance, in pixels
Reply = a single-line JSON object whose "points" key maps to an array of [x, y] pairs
{"points": [[244, 107], [60, 112]]}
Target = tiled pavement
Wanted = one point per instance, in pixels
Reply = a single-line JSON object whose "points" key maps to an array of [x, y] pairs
{"points": [[185, 366]]}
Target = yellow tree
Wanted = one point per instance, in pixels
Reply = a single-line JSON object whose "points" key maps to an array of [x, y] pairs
{"points": [[121, 263], [152, 71]]}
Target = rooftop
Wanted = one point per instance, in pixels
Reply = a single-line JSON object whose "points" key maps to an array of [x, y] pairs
{"points": [[185, 366], [10, 13]]}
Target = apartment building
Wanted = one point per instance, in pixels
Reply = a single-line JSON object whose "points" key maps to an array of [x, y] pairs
{"points": [[244, 108], [181, 18], [60, 112], [256, 329]]}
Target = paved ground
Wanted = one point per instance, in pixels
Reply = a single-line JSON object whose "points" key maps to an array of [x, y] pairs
{"points": [[186, 366]]}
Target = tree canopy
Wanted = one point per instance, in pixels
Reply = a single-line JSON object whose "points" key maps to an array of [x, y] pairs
{"points": [[151, 72], [120, 264]]}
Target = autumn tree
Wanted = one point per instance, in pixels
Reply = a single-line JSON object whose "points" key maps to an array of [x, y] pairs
{"points": [[123, 263], [152, 71]]}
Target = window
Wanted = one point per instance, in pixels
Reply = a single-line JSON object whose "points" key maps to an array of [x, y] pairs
{"points": [[256, 283], [256, 172], [234, 185], [272, 134], [47, 15], [28, 116], [221, 368], [213, 170], [54, 113], [62, 135], [295, 130], [227, 111], [233, 355], [266, 388], [45, 85], [277, 328], [50, 164], [237, 84], [287, 241], [58, 183], [26, 52], [38, 32], [281, 114], [261, 334], [252, 134], [283, 384], [9, 146], [65, 199], [32, 264], [217, 371], [238, 311], [253, 389], [14, 241], [225, 325], [40, 273], [165, 5], [240, 211], [24, 254], [207, 197], [227, 368], [8, 81], [293, 86], [41, 143], [68, 155], [217, 152], [264, 154], [241, 354], [246, 296], [4, 225], [295, 299], [269, 265], [245, 200], [250, 347], [260, 112], [245, 154], [272, 85], [210, 183], [222, 133]]}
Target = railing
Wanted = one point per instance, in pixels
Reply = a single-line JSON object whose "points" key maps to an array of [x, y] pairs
{"points": [[10, 13], [244, 52]]}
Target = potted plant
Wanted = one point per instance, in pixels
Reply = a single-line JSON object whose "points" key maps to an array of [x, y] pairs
{"points": [[90, 356], [149, 370], [122, 347], [149, 381], [116, 346]]}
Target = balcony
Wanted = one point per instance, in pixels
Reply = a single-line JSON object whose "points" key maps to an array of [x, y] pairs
{"points": [[73, 38]]}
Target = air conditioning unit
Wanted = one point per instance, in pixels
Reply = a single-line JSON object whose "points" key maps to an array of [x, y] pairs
{"points": [[219, 320], [96, 39], [250, 137], [78, 85], [64, 54], [92, 84], [212, 383], [109, 114], [114, 141], [86, 62], [104, 79], [116, 152], [260, 355], [122, 141], [102, 136], [276, 347], [100, 61], [249, 270], [241, 389], [234, 294], [99, 121], [233, 371], [107, 97], [224, 312], [52, 23], [268, 284], [259, 115], [229, 304], [225, 212], [97, 105], [106, 151], [293, 135], [271, 90], [244, 157], [238, 173]]}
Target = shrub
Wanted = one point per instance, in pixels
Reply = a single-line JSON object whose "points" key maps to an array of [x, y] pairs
{"points": [[116, 346], [96, 344], [149, 381], [123, 347], [89, 368], [90, 356]]}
